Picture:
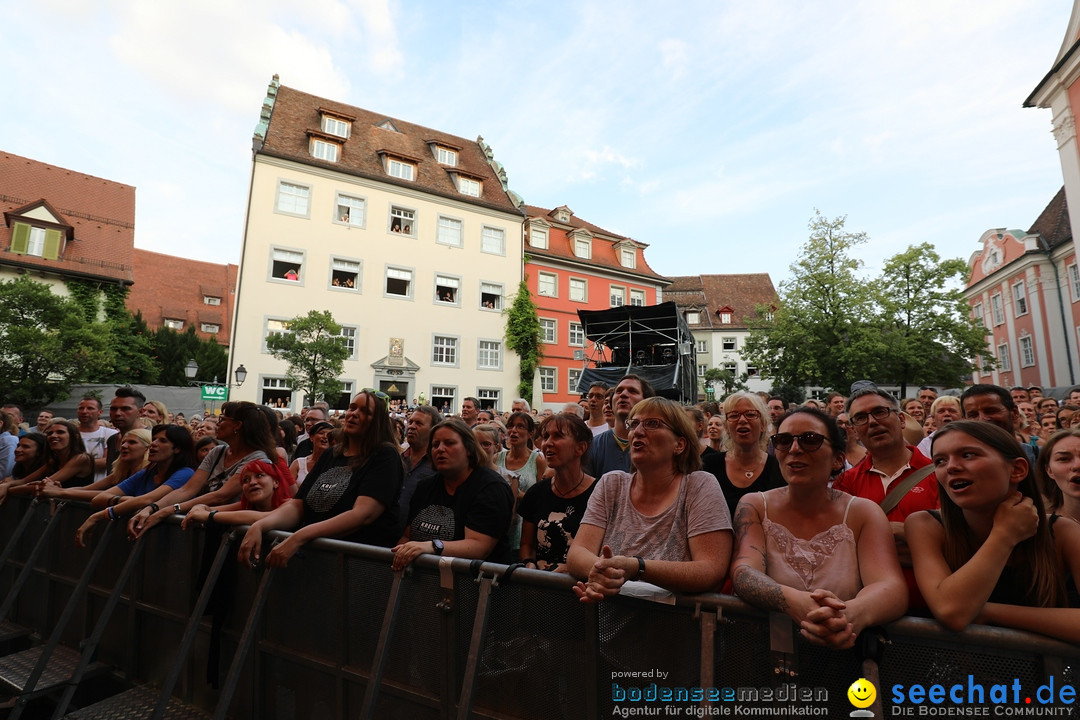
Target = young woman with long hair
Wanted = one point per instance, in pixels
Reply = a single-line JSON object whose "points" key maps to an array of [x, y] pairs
{"points": [[134, 448], [991, 555], [1058, 470]]}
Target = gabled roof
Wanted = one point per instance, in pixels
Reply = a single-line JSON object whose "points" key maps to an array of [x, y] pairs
{"points": [[710, 293], [605, 244], [1053, 222], [100, 212], [295, 114]]}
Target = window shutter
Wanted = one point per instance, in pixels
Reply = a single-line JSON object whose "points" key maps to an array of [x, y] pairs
{"points": [[52, 245], [20, 238]]}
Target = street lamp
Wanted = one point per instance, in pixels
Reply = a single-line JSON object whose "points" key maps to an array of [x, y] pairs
{"points": [[241, 375], [191, 369]]}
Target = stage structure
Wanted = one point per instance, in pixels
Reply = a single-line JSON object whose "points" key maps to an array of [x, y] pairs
{"points": [[651, 341]]}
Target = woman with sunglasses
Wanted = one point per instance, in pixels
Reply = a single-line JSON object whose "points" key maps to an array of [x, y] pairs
{"points": [[744, 466], [823, 557], [667, 523]]}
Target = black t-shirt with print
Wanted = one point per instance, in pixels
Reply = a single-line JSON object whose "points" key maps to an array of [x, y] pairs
{"points": [[556, 519], [482, 503]]}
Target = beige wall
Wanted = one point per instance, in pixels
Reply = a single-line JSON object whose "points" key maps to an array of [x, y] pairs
{"points": [[321, 237]]}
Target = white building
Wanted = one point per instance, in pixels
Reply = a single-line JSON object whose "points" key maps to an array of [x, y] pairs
{"points": [[407, 235]]}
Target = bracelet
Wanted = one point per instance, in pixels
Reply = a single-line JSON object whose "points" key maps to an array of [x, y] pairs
{"points": [[153, 507], [176, 507], [640, 567], [110, 512], [210, 518]]}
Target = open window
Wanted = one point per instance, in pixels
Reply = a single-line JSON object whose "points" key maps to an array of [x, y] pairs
{"points": [[447, 290], [287, 265], [345, 274]]}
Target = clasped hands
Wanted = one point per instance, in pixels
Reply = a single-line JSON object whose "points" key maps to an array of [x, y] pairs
{"points": [[823, 620], [607, 576]]}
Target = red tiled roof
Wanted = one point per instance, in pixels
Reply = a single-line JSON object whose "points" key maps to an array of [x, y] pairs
{"points": [[101, 212], [173, 287], [296, 113], [709, 293], [604, 252]]}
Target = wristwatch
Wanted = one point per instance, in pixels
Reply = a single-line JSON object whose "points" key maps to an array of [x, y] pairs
{"points": [[438, 545], [176, 508]]}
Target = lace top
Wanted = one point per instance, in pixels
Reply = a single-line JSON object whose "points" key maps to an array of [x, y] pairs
{"points": [[826, 561]]}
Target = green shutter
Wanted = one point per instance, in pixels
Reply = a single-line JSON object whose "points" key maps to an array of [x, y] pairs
{"points": [[20, 238], [52, 245]]}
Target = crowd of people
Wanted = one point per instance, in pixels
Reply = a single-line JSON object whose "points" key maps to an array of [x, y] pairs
{"points": [[844, 513]]}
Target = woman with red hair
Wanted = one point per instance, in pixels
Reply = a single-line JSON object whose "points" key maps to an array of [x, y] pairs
{"points": [[263, 488]]}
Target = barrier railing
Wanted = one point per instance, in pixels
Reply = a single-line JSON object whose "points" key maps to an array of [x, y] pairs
{"points": [[343, 636]]}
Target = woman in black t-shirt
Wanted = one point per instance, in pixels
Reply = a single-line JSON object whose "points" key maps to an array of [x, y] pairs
{"points": [[464, 510], [351, 493]]}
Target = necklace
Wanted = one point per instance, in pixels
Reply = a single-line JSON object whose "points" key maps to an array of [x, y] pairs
{"points": [[748, 473], [570, 492]]}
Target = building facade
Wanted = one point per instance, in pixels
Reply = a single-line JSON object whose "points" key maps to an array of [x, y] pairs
{"points": [[179, 293], [409, 236], [574, 265], [718, 309], [61, 225], [1025, 288]]}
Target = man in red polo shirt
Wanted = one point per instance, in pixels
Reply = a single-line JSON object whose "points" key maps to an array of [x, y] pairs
{"points": [[875, 414]]}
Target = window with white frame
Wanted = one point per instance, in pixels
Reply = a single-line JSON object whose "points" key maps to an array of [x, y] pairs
{"points": [[548, 379], [549, 330], [1019, 298], [583, 248], [400, 169], [1027, 352], [399, 282], [628, 258], [489, 355], [210, 328], [489, 398], [350, 210], [335, 126], [35, 244], [996, 309], [538, 237], [1074, 281], [491, 296], [730, 367], [977, 314], [345, 274], [273, 325], [344, 398], [547, 284], [349, 333], [618, 296], [211, 300], [573, 377], [577, 335], [442, 398], [173, 323], [447, 290], [493, 240], [402, 220], [729, 343], [579, 290], [322, 150], [701, 370], [444, 350], [1003, 357], [287, 265], [468, 186], [751, 371], [693, 317], [293, 199], [702, 346], [276, 389], [725, 318], [449, 231], [637, 297], [445, 155]]}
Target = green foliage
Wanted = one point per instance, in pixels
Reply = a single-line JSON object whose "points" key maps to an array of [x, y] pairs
{"points": [[316, 354], [791, 393], [46, 343], [908, 326], [523, 337], [727, 381]]}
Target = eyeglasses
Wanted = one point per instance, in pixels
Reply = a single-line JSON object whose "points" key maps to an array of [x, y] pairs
{"points": [[878, 413], [808, 441], [649, 424], [734, 416]]}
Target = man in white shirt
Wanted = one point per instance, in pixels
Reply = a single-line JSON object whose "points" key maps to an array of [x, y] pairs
{"points": [[94, 434]]}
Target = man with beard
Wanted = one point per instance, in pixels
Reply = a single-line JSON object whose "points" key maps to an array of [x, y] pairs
{"points": [[417, 463]]}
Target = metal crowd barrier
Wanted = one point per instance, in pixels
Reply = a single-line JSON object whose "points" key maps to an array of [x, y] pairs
{"points": [[342, 636]]}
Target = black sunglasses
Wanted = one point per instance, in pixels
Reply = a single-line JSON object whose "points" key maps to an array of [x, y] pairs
{"points": [[808, 441]]}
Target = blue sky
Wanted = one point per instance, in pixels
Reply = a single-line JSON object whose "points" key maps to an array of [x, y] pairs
{"points": [[710, 130]]}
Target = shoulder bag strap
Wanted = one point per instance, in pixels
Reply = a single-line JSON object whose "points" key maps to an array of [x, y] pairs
{"points": [[898, 491]]}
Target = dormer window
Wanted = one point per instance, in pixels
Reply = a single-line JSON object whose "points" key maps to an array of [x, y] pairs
{"points": [[38, 230], [211, 300], [582, 248], [628, 258], [725, 318], [538, 238], [446, 156], [324, 150], [468, 186], [335, 126], [36, 241], [400, 169], [173, 323], [562, 214]]}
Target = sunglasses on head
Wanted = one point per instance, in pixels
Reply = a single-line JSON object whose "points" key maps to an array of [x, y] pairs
{"points": [[808, 441]]}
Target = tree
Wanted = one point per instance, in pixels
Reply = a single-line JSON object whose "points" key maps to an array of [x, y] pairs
{"points": [[927, 327], [46, 344], [523, 337], [728, 381], [316, 352]]}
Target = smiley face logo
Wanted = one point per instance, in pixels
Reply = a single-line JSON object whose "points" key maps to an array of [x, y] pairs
{"points": [[862, 693]]}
